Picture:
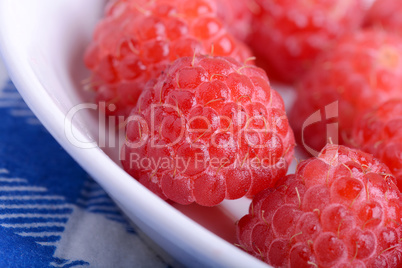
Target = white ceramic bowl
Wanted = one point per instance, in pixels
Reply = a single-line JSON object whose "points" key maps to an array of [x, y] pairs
{"points": [[42, 44]]}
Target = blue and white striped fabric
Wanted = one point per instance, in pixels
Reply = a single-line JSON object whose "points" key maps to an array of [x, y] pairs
{"points": [[52, 214]]}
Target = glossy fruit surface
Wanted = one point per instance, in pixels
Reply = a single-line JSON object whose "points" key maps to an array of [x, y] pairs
{"points": [[361, 71], [289, 34], [137, 39], [379, 132], [341, 209], [209, 128]]}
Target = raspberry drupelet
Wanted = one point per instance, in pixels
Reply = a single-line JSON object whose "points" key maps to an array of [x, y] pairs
{"points": [[236, 16], [361, 71], [379, 132], [289, 34], [136, 40], [341, 209], [209, 128], [385, 15]]}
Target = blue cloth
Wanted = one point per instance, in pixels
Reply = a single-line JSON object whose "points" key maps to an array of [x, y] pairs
{"points": [[52, 214]]}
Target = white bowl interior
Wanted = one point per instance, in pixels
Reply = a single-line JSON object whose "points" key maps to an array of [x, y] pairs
{"points": [[42, 43]]}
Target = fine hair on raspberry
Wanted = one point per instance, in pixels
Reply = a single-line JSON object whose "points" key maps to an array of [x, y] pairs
{"points": [[340, 209], [208, 129], [137, 39]]}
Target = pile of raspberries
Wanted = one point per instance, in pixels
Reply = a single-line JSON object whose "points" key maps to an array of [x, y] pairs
{"points": [[194, 83]]}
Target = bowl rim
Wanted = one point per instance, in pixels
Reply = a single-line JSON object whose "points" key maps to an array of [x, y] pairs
{"points": [[190, 234]]}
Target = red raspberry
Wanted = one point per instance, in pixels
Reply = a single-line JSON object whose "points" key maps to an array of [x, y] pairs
{"points": [[379, 132], [210, 128], [289, 34], [361, 70], [385, 14], [341, 209], [236, 16], [138, 38]]}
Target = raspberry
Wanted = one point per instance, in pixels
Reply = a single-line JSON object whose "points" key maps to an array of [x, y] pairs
{"points": [[379, 132], [290, 34], [341, 209], [209, 128], [360, 71], [236, 16], [383, 14], [138, 38]]}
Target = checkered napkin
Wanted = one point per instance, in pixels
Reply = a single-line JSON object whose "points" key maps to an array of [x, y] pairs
{"points": [[52, 214]]}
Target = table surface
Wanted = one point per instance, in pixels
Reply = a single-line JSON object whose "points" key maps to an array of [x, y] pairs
{"points": [[52, 214]]}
